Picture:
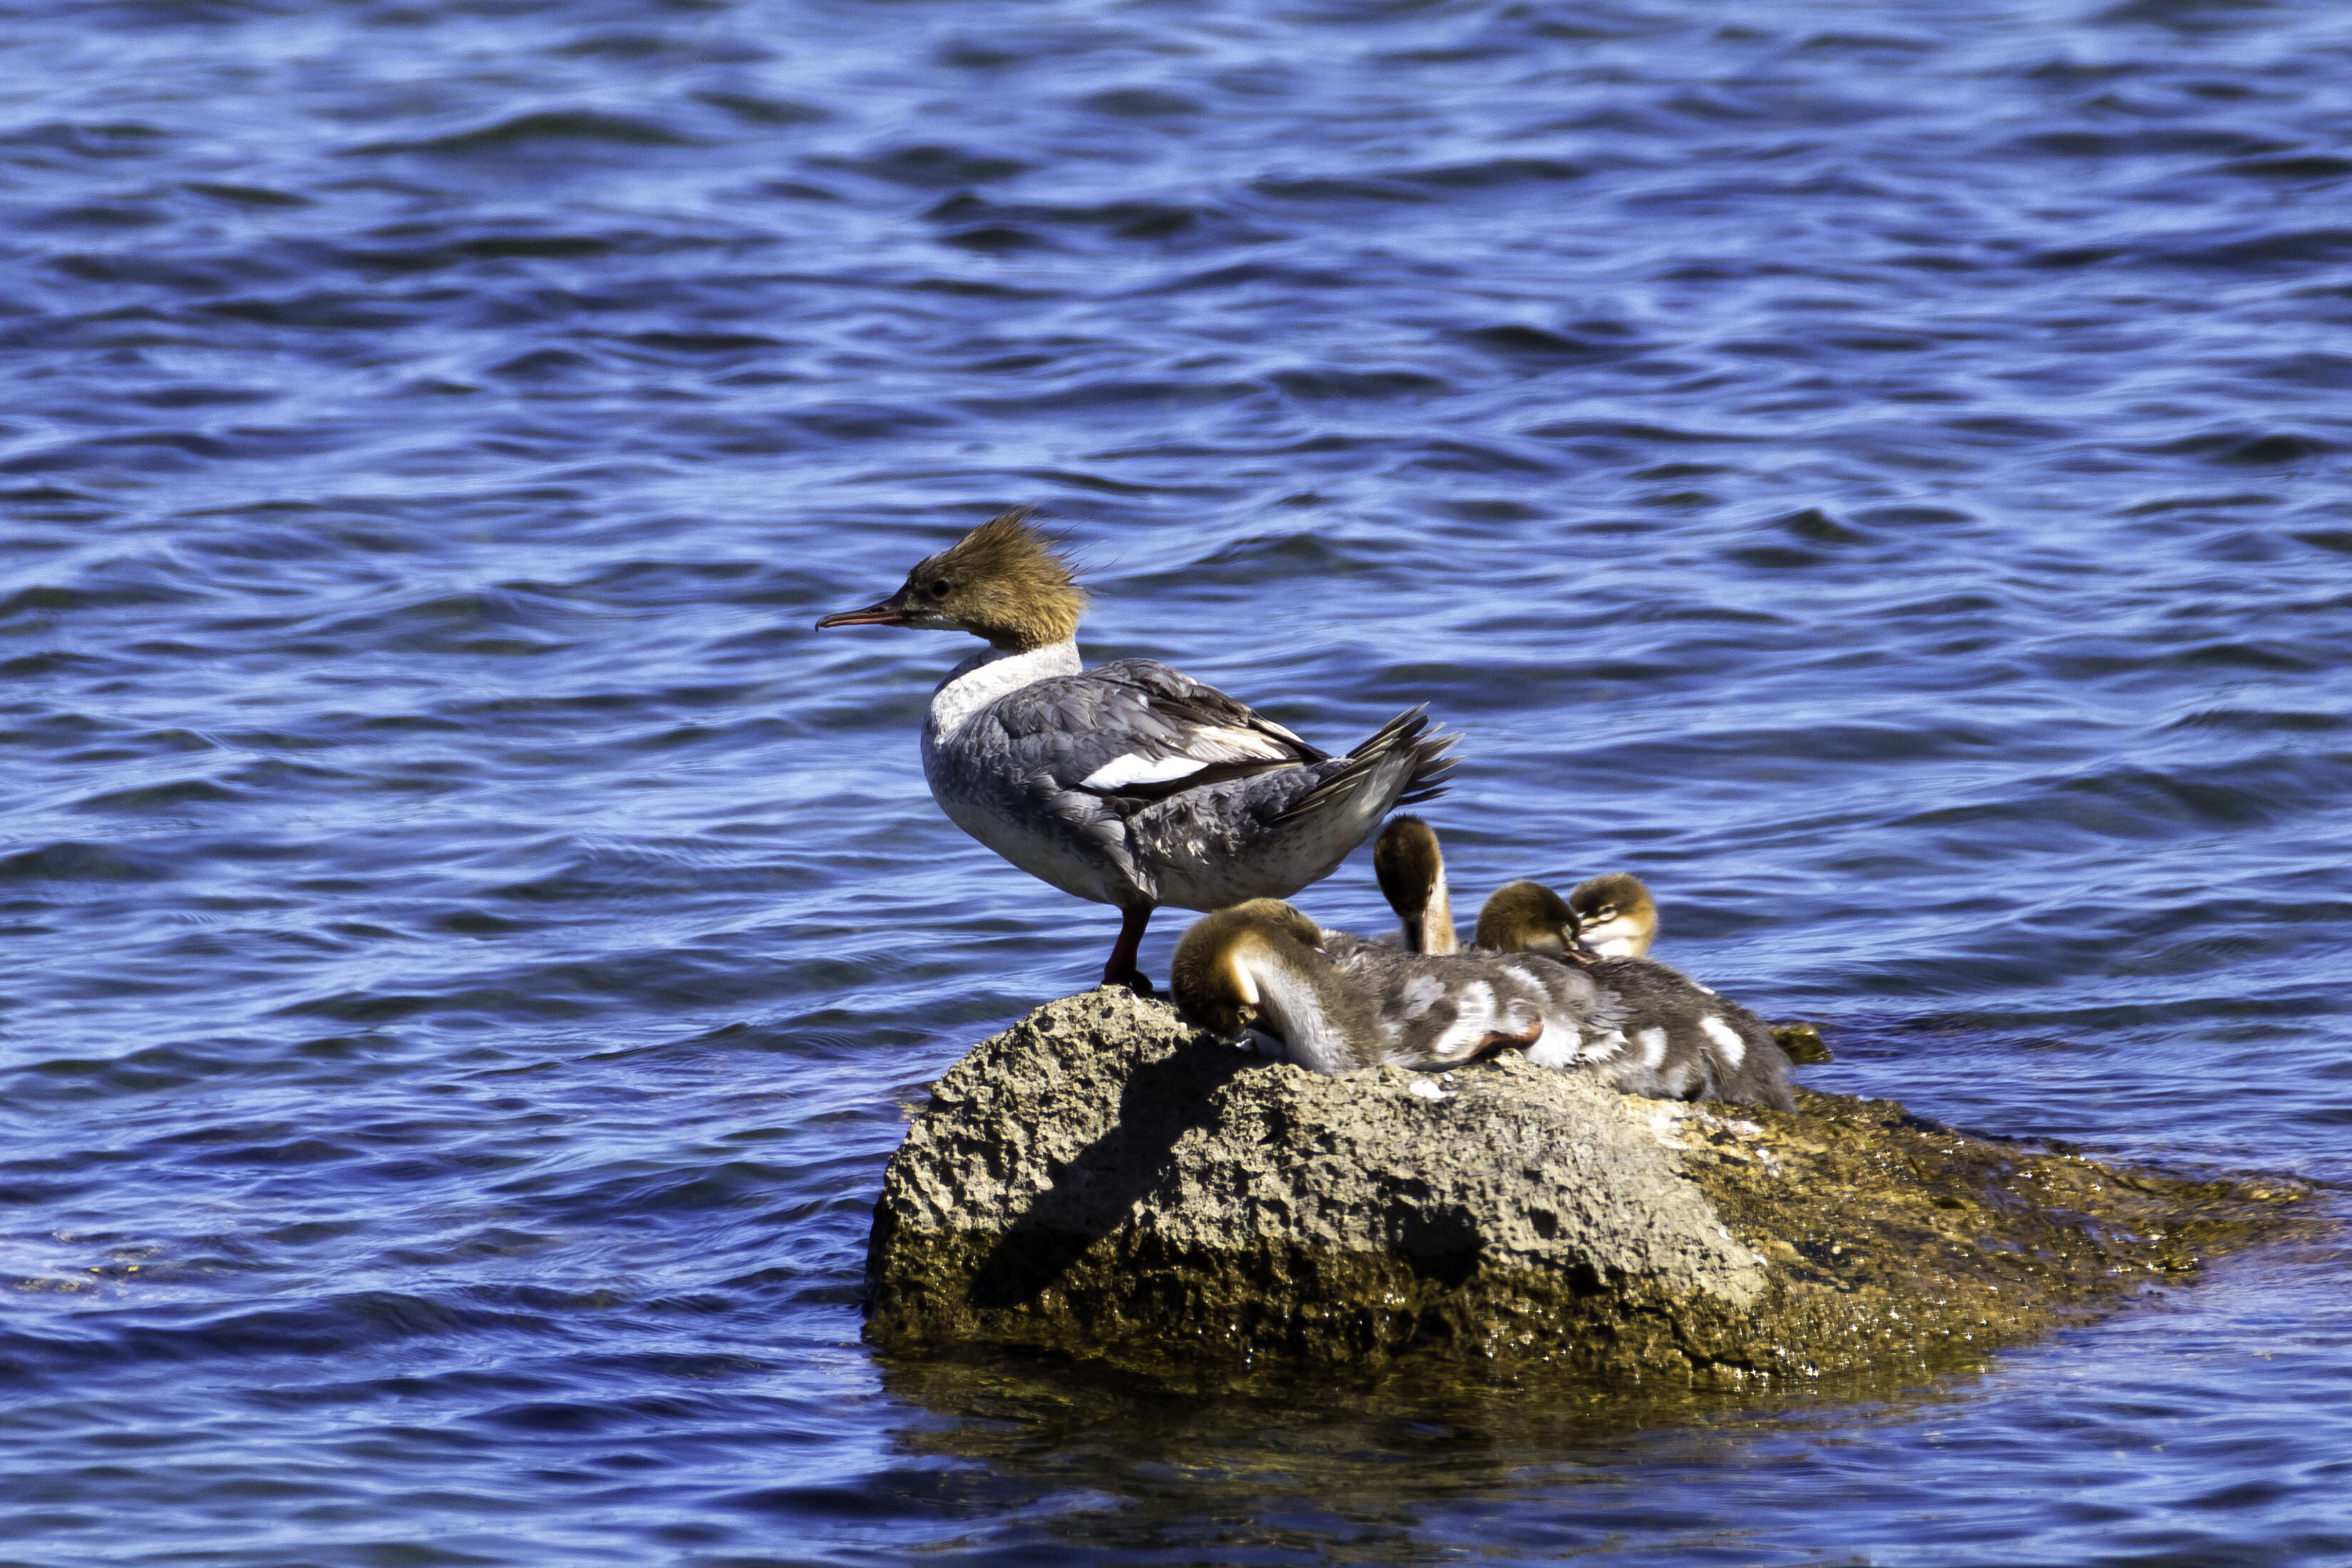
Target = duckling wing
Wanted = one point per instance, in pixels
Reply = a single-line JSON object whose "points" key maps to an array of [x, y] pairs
{"points": [[1697, 1034], [1440, 1010]]}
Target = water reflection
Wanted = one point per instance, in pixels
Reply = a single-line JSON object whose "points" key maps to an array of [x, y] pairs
{"points": [[1350, 1468]]}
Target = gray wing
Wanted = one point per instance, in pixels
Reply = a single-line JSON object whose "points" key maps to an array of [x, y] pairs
{"points": [[1134, 732], [1194, 798]]}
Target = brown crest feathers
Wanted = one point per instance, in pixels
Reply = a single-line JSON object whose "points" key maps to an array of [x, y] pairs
{"points": [[1006, 582]]}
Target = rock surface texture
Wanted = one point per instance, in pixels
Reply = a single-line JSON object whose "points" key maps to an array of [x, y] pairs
{"points": [[1101, 1179]]}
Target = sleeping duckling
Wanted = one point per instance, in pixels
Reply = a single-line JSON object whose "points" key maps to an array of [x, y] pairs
{"points": [[1671, 1014], [1333, 1002], [1615, 916], [1260, 968]]}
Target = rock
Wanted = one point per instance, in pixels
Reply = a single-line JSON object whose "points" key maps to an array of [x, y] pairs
{"points": [[1101, 1179]]}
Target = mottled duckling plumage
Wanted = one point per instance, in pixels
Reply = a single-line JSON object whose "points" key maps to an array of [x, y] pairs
{"points": [[1670, 1016], [1262, 969]]}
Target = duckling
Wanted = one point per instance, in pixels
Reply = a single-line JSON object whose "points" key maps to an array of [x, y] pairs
{"points": [[1129, 784], [1259, 968], [1411, 870], [1333, 1002], [1615, 916], [1671, 1015], [1585, 1026]]}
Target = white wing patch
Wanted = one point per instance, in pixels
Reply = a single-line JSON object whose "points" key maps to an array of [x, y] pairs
{"points": [[1653, 1048], [1227, 745], [1420, 993], [1555, 1050], [1474, 1019], [1135, 768], [1727, 1040]]}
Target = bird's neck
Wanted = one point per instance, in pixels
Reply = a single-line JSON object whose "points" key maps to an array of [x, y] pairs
{"points": [[1436, 927], [1324, 1026], [988, 675]]}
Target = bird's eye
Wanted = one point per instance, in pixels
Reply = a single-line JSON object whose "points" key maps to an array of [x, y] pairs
{"points": [[1605, 912], [939, 590]]}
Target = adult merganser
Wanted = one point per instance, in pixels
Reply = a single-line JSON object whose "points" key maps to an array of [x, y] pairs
{"points": [[1129, 783], [1334, 1003], [1669, 1015], [1615, 916]]}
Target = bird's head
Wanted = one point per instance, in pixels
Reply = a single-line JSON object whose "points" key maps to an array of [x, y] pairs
{"points": [[1004, 582]]}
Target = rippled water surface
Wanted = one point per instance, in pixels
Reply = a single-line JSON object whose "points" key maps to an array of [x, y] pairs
{"points": [[1876, 471]]}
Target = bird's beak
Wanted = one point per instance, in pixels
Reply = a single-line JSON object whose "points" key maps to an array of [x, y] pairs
{"points": [[1577, 953], [890, 612]]}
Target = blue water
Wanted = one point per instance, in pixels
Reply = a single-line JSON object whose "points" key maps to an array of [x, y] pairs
{"points": [[1876, 471]]}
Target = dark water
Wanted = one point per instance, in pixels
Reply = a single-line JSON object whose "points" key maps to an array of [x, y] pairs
{"points": [[1877, 470]]}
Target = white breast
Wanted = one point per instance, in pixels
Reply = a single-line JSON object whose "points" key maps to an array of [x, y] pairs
{"points": [[987, 676]]}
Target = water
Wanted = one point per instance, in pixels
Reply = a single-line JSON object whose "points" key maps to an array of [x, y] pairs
{"points": [[1876, 471]]}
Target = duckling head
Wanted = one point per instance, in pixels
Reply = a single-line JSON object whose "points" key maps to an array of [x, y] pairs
{"points": [[1003, 582], [1528, 916], [1616, 915], [1411, 870], [1215, 974]]}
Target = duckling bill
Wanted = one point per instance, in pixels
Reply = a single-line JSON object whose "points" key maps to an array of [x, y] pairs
{"points": [[1129, 784]]}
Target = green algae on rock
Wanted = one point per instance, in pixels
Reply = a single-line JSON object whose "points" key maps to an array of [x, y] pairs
{"points": [[1803, 1043], [1101, 1179]]}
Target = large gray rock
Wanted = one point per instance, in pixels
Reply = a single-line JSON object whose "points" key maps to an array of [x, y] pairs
{"points": [[1100, 1178]]}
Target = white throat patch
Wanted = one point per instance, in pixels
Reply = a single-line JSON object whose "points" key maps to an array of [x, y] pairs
{"points": [[988, 675]]}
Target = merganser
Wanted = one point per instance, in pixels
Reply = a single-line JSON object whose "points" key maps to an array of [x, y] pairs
{"points": [[1129, 784], [1334, 1003], [1691, 1042], [1615, 916], [1618, 910], [1669, 1014], [1411, 870]]}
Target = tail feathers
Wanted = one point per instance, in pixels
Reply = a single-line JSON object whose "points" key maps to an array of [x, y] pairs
{"points": [[1432, 769], [1399, 749], [1748, 1068]]}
